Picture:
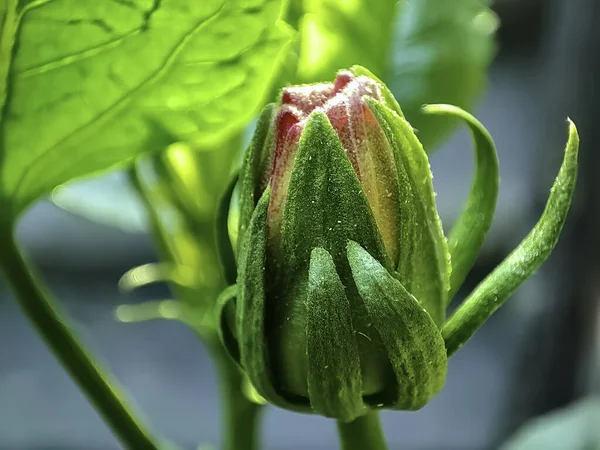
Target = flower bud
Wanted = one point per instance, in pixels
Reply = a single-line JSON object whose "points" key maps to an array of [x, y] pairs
{"points": [[343, 267]]}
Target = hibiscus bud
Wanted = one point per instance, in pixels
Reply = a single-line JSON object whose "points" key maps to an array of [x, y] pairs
{"points": [[338, 234], [343, 271]]}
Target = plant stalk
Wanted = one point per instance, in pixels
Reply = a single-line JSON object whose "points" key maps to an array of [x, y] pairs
{"points": [[364, 433], [52, 327], [240, 416]]}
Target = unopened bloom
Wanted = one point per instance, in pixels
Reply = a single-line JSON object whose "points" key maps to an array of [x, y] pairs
{"points": [[344, 272]]}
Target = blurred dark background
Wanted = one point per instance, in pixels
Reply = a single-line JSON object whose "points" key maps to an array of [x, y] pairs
{"points": [[538, 353]]}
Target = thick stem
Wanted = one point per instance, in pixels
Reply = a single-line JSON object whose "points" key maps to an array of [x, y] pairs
{"points": [[365, 433], [105, 397], [240, 416]]}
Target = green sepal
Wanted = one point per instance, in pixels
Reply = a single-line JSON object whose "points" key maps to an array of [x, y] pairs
{"points": [[251, 308], [469, 231], [326, 204], [387, 95], [424, 264], [411, 338], [334, 375], [499, 285], [252, 168], [224, 246], [225, 312]]}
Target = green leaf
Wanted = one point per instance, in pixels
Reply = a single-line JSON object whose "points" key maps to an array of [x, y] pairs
{"points": [[442, 50], [424, 263], [523, 261], [334, 375], [469, 231], [326, 204], [252, 168], [224, 245], [410, 336], [88, 85], [225, 311], [250, 312], [165, 272], [151, 310], [336, 34], [180, 191]]}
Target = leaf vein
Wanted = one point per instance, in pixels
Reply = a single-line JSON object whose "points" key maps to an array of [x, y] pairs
{"points": [[129, 4], [76, 57], [34, 5]]}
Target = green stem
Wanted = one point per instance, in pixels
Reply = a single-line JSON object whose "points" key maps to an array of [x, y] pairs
{"points": [[48, 322], [240, 416], [364, 433], [157, 229]]}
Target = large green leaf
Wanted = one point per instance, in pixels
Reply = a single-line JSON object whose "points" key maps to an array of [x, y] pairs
{"points": [[441, 53], [85, 85], [337, 34]]}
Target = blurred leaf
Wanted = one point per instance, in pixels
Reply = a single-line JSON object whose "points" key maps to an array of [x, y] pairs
{"points": [[442, 50], [151, 273], [293, 13], [181, 195], [337, 34], [573, 428], [85, 85], [427, 51], [107, 199], [151, 310]]}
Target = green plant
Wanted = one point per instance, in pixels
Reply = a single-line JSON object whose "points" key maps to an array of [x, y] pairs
{"points": [[164, 90], [344, 273]]}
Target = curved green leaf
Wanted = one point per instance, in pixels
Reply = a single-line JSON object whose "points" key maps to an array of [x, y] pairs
{"points": [[252, 167], [151, 310], [334, 375], [88, 85], [469, 231], [326, 204], [410, 336], [225, 312], [441, 53], [224, 245], [424, 264], [523, 261], [250, 308]]}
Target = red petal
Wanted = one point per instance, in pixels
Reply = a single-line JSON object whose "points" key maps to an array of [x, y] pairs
{"points": [[342, 79], [307, 98], [339, 113]]}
